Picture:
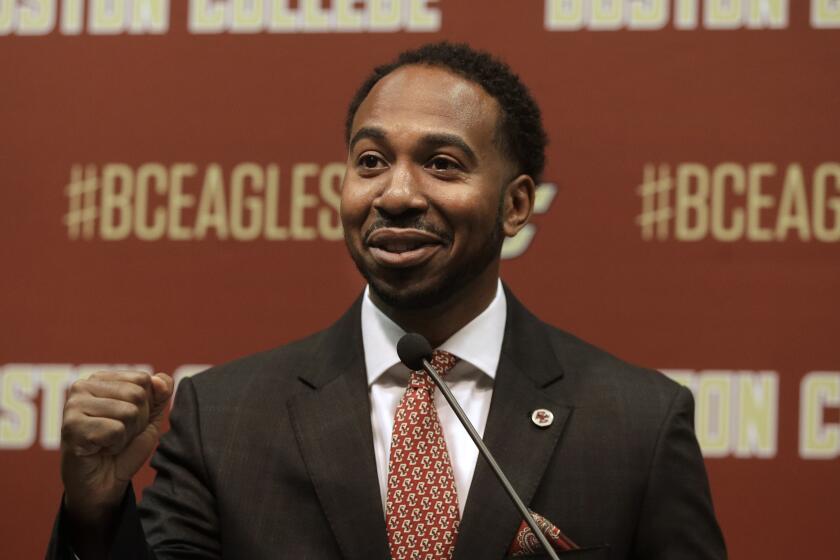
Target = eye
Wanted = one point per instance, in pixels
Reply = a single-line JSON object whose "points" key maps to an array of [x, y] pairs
{"points": [[369, 161], [444, 164]]}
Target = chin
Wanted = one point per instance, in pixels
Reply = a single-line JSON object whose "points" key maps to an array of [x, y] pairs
{"points": [[409, 289], [412, 296]]}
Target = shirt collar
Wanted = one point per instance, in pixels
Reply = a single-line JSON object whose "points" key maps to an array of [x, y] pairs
{"points": [[479, 342]]}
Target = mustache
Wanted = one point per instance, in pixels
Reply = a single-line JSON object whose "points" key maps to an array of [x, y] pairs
{"points": [[408, 222]]}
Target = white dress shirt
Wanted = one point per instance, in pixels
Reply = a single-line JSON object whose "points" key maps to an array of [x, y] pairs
{"points": [[478, 345]]}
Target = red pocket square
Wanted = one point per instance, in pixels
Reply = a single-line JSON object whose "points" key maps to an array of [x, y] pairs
{"points": [[525, 543]]}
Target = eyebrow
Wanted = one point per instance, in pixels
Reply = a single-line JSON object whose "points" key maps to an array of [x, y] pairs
{"points": [[441, 139], [372, 132], [432, 140]]}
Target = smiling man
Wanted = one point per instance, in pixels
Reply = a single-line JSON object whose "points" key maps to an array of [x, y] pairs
{"points": [[430, 192], [330, 448]]}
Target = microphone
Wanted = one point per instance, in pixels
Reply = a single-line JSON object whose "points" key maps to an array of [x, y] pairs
{"points": [[415, 352]]}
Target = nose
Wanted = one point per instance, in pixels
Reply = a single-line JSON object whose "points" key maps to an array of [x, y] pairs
{"points": [[402, 194]]}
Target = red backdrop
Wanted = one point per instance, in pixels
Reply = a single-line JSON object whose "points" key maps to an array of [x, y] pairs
{"points": [[168, 180]]}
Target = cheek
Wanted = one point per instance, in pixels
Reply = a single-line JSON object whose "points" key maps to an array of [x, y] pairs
{"points": [[470, 211], [355, 206]]}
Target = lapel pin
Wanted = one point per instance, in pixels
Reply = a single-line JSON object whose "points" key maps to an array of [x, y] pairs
{"points": [[542, 418]]}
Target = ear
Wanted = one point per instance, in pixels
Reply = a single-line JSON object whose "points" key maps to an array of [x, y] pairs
{"points": [[518, 204]]}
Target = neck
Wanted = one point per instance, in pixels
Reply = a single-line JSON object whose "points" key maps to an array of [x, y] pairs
{"points": [[440, 321]]}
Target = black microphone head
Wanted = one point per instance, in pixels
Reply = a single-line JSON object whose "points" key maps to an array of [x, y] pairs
{"points": [[412, 348]]}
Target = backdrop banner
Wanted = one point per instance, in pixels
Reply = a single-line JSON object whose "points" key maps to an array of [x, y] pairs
{"points": [[170, 176]]}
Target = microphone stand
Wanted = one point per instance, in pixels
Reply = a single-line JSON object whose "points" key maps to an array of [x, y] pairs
{"points": [[497, 470]]}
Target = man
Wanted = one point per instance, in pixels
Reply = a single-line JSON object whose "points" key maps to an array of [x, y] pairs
{"points": [[304, 451]]}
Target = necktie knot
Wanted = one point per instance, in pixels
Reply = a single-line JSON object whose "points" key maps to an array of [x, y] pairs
{"points": [[442, 361]]}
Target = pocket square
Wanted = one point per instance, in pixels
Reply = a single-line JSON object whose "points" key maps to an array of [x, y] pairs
{"points": [[526, 544]]}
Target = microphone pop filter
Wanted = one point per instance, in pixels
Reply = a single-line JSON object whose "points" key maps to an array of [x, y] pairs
{"points": [[412, 348]]}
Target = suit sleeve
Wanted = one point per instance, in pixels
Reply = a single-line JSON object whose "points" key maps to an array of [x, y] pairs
{"points": [[129, 542], [677, 517]]}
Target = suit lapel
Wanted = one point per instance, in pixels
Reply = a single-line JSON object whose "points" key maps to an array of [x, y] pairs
{"points": [[527, 367], [333, 430]]}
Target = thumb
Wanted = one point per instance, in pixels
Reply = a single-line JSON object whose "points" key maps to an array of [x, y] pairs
{"points": [[162, 388]]}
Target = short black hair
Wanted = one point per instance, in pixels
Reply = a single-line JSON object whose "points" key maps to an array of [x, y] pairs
{"points": [[521, 134]]}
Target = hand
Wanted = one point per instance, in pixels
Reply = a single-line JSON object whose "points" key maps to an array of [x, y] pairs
{"points": [[111, 425]]}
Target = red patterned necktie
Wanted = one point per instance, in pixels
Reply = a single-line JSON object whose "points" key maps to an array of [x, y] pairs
{"points": [[422, 506]]}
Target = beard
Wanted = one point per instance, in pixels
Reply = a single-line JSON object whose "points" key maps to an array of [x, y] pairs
{"points": [[399, 290]]}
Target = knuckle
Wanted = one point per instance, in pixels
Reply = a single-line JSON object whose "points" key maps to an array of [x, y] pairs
{"points": [[71, 404], [72, 420], [140, 378], [130, 412], [79, 386], [143, 379], [135, 395]]}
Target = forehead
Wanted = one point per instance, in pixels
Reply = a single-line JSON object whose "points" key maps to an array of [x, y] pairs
{"points": [[424, 99]]}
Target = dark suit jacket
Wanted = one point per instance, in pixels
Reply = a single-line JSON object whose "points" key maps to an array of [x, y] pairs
{"points": [[271, 456]]}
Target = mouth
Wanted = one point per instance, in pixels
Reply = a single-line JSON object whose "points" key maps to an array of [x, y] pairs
{"points": [[402, 247]]}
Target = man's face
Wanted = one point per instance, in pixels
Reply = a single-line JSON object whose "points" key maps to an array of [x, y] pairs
{"points": [[422, 197]]}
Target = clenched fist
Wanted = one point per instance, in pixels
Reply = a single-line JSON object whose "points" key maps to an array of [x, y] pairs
{"points": [[111, 425]]}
